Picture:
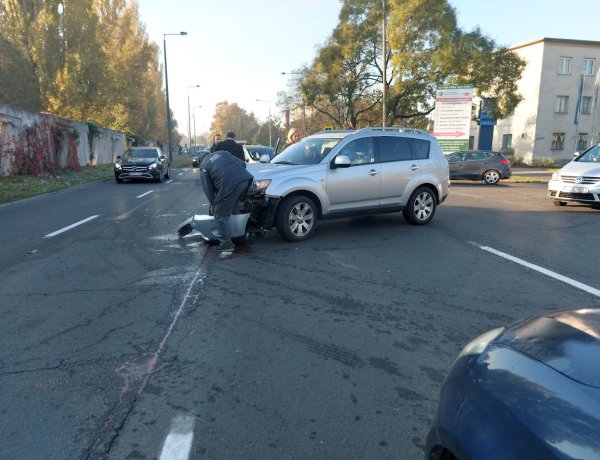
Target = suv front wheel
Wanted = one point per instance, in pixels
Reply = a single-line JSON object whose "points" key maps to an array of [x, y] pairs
{"points": [[420, 207], [296, 218]]}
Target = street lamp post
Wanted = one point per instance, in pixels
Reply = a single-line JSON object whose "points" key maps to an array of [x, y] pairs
{"points": [[167, 92], [195, 107], [269, 102], [383, 68], [189, 127], [303, 104]]}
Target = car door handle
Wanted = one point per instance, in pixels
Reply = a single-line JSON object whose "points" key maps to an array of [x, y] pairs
{"points": [[414, 167], [373, 172]]}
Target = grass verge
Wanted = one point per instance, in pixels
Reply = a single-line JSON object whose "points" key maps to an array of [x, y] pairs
{"points": [[15, 188]]}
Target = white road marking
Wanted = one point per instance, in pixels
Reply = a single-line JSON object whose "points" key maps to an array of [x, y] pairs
{"points": [[551, 274], [144, 194], [57, 232], [170, 180], [181, 173], [179, 440]]}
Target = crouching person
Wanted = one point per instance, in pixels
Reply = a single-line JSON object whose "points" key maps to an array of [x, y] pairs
{"points": [[224, 178]]}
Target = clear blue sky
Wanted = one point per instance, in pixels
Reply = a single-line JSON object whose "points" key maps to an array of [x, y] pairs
{"points": [[236, 49]]}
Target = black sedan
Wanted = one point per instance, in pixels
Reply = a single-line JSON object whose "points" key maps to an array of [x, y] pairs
{"points": [[142, 163], [198, 157], [484, 165], [529, 391]]}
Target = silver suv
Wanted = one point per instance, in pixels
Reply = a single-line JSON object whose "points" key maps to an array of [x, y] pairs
{"points": [[342, 173]]}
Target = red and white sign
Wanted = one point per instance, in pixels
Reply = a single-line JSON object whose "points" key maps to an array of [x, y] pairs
{"points": [[452, 117]]}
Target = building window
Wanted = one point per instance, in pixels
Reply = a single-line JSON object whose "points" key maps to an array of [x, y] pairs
{"points": [[561, 104], [558, 141], [586, 105], [564, 66], [588, 67], [582, 142], [471, 142], [506, 141]]}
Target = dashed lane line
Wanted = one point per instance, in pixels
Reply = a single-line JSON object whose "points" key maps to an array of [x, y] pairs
{"points": [[144, 194], [76, 224]]}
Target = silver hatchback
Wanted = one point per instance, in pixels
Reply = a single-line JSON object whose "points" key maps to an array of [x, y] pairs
{"points": [[343, 173], [578, 181]]}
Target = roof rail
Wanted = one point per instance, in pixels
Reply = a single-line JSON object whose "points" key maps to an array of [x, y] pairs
{"points": [[396, 129]]}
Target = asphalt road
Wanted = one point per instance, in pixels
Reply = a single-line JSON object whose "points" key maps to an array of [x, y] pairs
{"points": [[118, 340]]}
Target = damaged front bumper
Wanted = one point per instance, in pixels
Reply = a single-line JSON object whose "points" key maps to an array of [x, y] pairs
{"points": [[256, 213]]}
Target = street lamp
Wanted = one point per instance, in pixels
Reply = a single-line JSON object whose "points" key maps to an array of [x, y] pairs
{"points": [[269, 102], [195, 107], [303, 104], [383, 67], [167, 91], [189, 127]]}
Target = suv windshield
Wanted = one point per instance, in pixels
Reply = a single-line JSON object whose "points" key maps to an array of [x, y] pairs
{"points": [[592, 155], [140, 153], [307, 151]]}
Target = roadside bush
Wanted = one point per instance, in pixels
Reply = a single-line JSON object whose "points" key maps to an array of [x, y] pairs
{"points": [[545, 163], [516, 160]]}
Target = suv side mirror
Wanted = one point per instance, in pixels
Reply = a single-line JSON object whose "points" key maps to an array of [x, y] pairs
{"points": [[264, 158], [118, 157], [162, 157], [341, 161], [576, 154]]}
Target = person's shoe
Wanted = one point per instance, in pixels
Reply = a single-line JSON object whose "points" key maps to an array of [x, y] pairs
{"points": [[223, 247]]}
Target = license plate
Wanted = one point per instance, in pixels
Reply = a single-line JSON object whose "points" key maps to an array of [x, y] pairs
{"points": [[574, 189], [135, 174]]}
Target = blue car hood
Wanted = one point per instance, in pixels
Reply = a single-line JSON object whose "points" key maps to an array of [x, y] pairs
{"points": [[567, 341]]}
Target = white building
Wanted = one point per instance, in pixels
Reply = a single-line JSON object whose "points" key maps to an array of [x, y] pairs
{"points": [[543, 125]]}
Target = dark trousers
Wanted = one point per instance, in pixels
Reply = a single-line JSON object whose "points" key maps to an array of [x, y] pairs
{"points": [[223, 208]]}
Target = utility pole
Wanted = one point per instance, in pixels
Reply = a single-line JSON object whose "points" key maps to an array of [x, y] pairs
{"points": [[383, 65]]}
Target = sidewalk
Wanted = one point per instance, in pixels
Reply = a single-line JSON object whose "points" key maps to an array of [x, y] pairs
{"points": [[532, 172]]}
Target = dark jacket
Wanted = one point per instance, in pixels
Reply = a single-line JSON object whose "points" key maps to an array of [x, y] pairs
{"points": [[221, 174], [231, 146]]}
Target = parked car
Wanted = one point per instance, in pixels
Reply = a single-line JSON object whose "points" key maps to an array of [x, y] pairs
{"points": [[528, 391], [142, 163], [484, 165], [578, 181], [198, 157], [341, 173]]}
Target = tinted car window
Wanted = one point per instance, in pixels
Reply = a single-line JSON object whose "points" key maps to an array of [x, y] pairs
{"points": [[394, 149], [455, 156], [141, 153], [420, 148], [360, 151]]}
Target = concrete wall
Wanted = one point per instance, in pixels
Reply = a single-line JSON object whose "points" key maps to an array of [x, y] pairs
{"points": [[98, 146]]}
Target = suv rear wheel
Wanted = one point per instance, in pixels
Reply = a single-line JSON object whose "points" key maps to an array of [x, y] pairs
{"points": [[296, 218], [420, 207]]}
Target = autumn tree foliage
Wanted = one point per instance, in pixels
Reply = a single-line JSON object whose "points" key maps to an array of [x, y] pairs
{"points": [[86, 60]]}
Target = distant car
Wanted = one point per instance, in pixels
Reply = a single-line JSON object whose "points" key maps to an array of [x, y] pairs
{"points": [[198, 157], [578, 181], [484, 165], [529, 391], [257, 151], [142, 163]]}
